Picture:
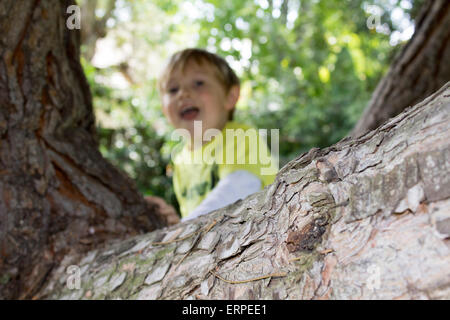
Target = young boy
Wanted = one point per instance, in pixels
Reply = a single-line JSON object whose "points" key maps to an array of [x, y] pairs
{"points": [[219, 161]]}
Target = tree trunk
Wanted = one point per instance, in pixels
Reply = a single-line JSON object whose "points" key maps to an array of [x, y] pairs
{"points": [[419, 70], [57, 194], [93, 28], [367, 218]]}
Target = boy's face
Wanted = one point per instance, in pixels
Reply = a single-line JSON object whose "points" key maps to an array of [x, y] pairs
{"points": [[197, 95]]}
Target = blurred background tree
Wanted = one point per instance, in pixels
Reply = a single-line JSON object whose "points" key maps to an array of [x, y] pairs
{"points": [[308, 68]]}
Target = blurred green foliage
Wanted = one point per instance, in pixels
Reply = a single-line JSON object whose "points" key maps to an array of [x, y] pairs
{"points": [[308, 68], [133, 145]]}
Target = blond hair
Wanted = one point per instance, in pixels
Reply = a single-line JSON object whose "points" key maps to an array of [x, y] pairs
{"points": [[180, 59]]}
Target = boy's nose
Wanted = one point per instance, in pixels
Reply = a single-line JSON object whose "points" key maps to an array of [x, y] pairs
{"points": [[185, 91]]}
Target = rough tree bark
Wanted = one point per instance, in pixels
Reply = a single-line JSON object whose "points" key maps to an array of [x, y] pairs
{"points": [[60, 198], [366, 218], [419, 69], [57, 193]]}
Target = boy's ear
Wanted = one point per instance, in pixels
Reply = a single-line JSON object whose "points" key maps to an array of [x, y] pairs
{"points": [[233, 97]]}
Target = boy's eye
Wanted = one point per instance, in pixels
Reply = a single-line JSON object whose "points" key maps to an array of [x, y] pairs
{"points": [[199, 83], [173, 90]]}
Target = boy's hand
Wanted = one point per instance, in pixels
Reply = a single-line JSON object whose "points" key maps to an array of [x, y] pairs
{"points": [[166, 211]]}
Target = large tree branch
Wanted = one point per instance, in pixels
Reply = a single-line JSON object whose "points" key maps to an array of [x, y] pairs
{"points": [[366, 218], [418, 70]]}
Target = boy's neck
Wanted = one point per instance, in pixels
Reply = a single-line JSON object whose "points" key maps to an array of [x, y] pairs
{"points": [[193, 145]]}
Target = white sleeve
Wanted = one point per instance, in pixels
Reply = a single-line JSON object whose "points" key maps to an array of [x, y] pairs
{"points": [[237, 185]]}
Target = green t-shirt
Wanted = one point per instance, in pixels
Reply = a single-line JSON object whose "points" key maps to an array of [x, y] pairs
{"points": [[239, 147]]}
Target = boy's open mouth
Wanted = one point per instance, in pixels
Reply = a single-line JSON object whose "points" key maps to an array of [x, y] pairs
{"points": [[189, 113]]}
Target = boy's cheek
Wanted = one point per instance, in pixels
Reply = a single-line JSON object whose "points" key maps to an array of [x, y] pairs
{"points": [[170, 119], [166, 110], [166, 101]]}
